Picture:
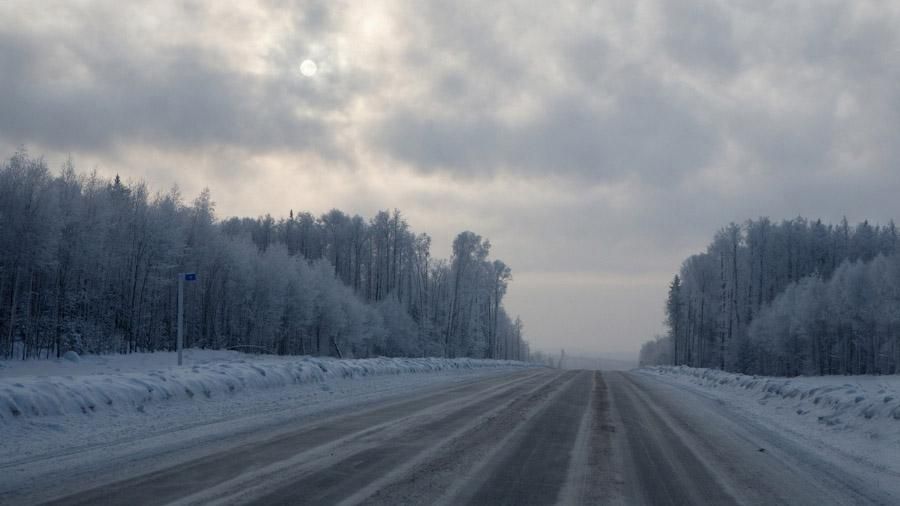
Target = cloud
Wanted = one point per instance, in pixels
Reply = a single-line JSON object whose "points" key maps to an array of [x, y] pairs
{"points": [[698, 34], [660, 91], [643, 132], [609, 138], [98, 85]]}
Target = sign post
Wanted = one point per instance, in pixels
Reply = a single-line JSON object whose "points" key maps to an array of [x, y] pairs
{"points": [[182, 277]]}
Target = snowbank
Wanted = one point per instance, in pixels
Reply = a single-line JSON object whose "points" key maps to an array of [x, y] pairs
{"points": [[842, 402], [95, 384]]}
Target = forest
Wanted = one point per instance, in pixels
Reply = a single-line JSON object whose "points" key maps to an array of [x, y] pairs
{"points": [[91, 264], [798, 297]]}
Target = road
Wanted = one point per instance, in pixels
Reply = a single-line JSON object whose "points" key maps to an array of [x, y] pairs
{"points": [[528, 437]]}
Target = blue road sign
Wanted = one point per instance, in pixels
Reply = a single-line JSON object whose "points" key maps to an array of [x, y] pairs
{"points": [[190, 276]]}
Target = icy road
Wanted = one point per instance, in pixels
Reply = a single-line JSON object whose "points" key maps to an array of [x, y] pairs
{"points": [[534, 436]]}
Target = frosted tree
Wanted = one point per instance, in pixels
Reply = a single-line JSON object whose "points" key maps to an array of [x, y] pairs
{"points": [[788, 298], [90, 264]]}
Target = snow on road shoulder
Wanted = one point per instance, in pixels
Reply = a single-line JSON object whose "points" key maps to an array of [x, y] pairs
{"points": [[125, 383], [840, 401], [121, 440], [857, 415]]}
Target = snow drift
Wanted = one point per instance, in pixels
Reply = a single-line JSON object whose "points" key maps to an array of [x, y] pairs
{"points": [[838, 401], [29, 396]]}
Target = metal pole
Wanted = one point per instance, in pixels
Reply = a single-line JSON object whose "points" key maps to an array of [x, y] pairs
{"points": [[180, 315]]}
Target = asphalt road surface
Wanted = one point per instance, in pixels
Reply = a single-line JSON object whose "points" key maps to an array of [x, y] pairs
{"points": [[527, 437]]}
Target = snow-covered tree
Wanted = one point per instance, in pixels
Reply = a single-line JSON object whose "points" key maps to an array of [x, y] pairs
{"points": [[91, 264]]}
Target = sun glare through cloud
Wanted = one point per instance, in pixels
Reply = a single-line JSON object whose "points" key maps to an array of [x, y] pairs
{"points": [[308, 68]]}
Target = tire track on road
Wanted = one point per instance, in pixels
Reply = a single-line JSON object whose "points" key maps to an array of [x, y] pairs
{"points": [[172, 483], [334, 481], [533, 466], [760, 464], [660, 468], [451, 465]]}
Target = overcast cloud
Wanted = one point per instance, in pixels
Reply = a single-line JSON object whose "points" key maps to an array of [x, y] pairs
{"points": [[595, 143]]}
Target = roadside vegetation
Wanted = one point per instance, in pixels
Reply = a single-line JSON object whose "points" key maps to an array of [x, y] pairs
{"points": [[90, 264], [798, 297]]}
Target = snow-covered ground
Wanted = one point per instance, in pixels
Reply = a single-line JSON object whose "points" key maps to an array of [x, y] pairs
{"points": [[80, 386], [855, 416], [51, 407]]}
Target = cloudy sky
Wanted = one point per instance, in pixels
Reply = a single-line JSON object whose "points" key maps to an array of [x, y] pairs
{"points": [[596, 144]]}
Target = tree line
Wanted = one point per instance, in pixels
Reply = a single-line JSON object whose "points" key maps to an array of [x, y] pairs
{"points": [[91, 264], [789, 298]]}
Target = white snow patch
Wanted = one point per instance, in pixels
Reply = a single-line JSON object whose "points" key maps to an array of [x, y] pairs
{"points": [[843, 401], [859, 416], [125, 383]]}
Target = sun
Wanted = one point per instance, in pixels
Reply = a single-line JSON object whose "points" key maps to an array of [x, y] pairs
{"points": [[308, 68]]}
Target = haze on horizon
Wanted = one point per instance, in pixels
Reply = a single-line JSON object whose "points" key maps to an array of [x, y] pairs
{"points": [[596, 144]]}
